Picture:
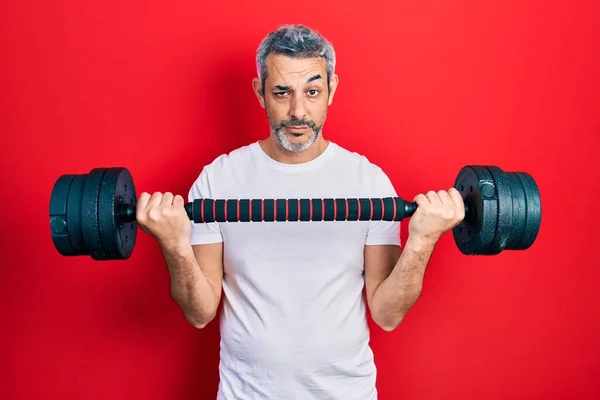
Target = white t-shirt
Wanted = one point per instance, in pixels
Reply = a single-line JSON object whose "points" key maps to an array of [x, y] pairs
{"points": [[293, 324]]}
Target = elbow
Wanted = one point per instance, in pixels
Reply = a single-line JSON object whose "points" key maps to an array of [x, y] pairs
{"points": [[196, 323], [199, 322], [389, 320], [390, 325], [197, 316]]}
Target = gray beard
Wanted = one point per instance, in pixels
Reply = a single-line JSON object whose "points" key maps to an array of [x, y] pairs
{"points": [[296, 147]]}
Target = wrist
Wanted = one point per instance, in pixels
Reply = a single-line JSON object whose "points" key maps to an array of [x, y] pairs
{"points": [[420, 243], [176, 247]]}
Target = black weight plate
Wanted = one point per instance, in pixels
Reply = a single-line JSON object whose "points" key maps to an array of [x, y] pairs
{"points": [[74, 215], [107, 214], [58, 215], [128, 229], [118, 238], [475, 233], [504, 226], [519, 207], [534, 211], [89, 208]]}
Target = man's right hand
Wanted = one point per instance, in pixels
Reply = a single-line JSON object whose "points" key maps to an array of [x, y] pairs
{"points": [[163, 217]]}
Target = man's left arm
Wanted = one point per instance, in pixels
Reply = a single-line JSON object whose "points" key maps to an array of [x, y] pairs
{"points": [[394, 275], [394, 279]]}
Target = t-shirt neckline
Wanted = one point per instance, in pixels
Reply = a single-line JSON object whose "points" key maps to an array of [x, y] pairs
{"points": [[314, 163]]}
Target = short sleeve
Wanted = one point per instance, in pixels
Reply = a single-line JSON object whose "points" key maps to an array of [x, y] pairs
{"points": [[203, 233], [383, 232]]}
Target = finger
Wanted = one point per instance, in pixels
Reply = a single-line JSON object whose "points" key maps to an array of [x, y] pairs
{"points": [[140, 208], [456, 197], [167, 199], [421, 199], [142, 201], [154, 201], [445, 197], [178, 201], [433, 197], [458, 200]]}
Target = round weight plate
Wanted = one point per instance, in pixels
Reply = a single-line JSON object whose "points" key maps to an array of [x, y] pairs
{"points": [[118, 239], [58, 215], [534, 211], [519, 209], [89, 208], [107, 214], [504, 226], [128, 230], [74, 215], [475, 233]]}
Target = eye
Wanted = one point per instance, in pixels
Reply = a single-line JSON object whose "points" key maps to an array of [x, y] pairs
{"points": [[313, 92], [280, 94]]}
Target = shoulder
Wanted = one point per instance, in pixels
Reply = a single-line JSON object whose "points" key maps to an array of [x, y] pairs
{"points": [[357, 161], [224, 164], [236, 159], [364, 172]]}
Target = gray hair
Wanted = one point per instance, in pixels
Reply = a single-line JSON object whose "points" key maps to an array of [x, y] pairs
{"points": [[297, 41]]}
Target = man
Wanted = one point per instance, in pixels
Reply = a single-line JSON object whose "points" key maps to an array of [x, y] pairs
{"points": [[293, 324]]}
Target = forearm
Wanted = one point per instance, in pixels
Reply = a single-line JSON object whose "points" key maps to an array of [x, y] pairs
{"points": [[401, 289], [190, 287]]}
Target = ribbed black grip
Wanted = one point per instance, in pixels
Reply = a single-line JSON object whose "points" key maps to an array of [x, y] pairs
{"points": [[270, 210]]}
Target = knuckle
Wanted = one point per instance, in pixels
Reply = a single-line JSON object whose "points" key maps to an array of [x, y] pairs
{"points": [[154, 215]]}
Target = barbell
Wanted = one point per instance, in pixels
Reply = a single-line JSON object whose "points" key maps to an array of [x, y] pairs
{"points": [[94, 214]]}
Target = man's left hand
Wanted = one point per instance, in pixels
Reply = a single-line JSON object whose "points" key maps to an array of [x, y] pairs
{"points": [[436, 214]]}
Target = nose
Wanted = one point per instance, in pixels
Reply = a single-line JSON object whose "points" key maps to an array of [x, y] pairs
{"points": [[297, 106]]}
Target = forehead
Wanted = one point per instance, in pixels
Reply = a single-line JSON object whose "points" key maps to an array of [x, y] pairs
{"points": [[281, 67]]}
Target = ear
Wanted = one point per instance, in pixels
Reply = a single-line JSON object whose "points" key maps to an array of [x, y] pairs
{"points": [[256, 85], [333, 84]]}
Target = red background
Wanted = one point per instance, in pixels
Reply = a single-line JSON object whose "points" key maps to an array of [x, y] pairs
{"points": [[164, 87]]}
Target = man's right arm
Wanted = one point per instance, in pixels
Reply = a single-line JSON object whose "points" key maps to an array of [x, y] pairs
{"points": [[196, 276]]}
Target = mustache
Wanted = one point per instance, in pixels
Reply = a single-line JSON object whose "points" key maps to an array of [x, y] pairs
{"points": [[297, 123]]}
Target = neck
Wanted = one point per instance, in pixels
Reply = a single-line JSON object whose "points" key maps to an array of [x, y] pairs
{"points": [[273, 149]]}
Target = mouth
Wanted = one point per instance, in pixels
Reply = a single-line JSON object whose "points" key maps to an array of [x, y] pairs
{"points": [[296, 130]]}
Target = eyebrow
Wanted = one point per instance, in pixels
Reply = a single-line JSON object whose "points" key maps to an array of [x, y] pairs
{"points": [[311, 79], [314, 78]]}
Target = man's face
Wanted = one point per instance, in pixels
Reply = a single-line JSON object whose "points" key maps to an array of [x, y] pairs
{"points": [[296, 98]]}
